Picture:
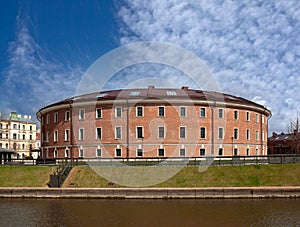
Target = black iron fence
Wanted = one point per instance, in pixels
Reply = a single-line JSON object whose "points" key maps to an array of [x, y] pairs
{"points": [[191, 161]]}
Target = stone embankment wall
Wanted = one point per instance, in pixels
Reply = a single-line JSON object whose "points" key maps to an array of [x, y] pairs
{"points": [[152, 193]]}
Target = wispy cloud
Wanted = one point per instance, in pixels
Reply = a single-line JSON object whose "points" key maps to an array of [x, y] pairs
{"points": [[252, 47], [34, 78]]}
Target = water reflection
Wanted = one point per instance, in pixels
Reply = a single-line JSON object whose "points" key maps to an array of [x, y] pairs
{"points": [[65, 212]]}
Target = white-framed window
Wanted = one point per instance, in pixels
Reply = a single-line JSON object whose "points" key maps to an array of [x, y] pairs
{"points": [[118, 132], [67, 116], [182, 152], [55, 136], [55, 117], [139, 111], [139, 132], [256, 118], [182, 132], [161, 132], [81, 134], [98, 152], [221, 113], [220, 151], [182, 111], [139, 152], [247, 116], [202, 112], [67, 135], [55, 154], [256, 135], [247, 151], [81, 114], [220, 133], [47, 137], [202, 133], [263, 135], [42, 122], [235, 151], [98, 133], [47, 119], [202, 151], [262, 119], [118, 112], [161, 152], [67, 153], [118, 152], [236, 133], [247, 134], [161, 111], [80, 152], [235, 114], [98, 113]]}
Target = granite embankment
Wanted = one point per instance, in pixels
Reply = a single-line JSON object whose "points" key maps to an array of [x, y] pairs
{"points": [[152, 193]]}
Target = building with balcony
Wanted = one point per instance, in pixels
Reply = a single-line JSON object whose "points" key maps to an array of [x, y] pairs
{"points": [[17, 133], [153, 123]]}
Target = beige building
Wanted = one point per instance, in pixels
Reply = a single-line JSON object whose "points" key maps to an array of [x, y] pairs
{"points": [[17, 133]]}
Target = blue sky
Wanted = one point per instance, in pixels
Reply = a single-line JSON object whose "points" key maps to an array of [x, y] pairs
{"points": [[252, 47]]}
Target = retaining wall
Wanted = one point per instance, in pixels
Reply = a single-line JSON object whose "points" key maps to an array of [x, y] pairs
{"points": [[152, 193]]}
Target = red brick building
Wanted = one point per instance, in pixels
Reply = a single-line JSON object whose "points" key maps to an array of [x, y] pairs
{"points": [[284, 143], [152, 123]]}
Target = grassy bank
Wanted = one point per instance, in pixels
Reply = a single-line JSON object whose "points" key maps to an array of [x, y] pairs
{"points": [[25, 176], [215, 176]]}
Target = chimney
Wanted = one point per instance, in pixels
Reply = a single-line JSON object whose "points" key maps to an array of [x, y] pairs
{"points": [[150, 88], [274, 134], [295, 132], [185, 88]]}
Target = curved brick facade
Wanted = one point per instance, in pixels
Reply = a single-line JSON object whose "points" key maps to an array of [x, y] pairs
{"points": [[151, 123]]}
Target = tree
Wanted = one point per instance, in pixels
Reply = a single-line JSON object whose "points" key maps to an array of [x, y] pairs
{"points": [[293, 128]]}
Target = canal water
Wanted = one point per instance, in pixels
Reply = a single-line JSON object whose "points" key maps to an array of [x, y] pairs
{"points": [[173, 212]]}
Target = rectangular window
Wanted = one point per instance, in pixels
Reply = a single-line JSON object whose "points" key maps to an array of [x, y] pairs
{"points": [[220, 151], [247, 151], [118, 152], [118, 112], [80, 152], [235, 115], [0, 135], [48, 119], [182, 111], [235, 151], [161, 152], [14, 136], [98, 113], [202, 151], [55, 117], [235, 134], [67, 116], [81, 114], [139, 152], [256, 151], [139, 111], [23, 127], [81, 134], [247, 116], [262, 119], [248, 134], [67, 135], [182, 132], [202, 133], [182, 152], [263, 136], [55, 138], [118, 132], [47, 137], [220, 133], [256, 118], [15, 126], [161, 132], [161, 111], [98, 152], [221, 113], [66, 153], [139, 132], [98, 133], [202, 112], [256, 135]]}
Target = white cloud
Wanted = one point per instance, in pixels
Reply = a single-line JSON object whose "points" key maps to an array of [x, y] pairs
{"points": [[33, 79], [252, 47]]}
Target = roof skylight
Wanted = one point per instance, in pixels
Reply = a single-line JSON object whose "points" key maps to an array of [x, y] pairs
{"points": [[134, 93], [101, 95], [171, 93]]}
